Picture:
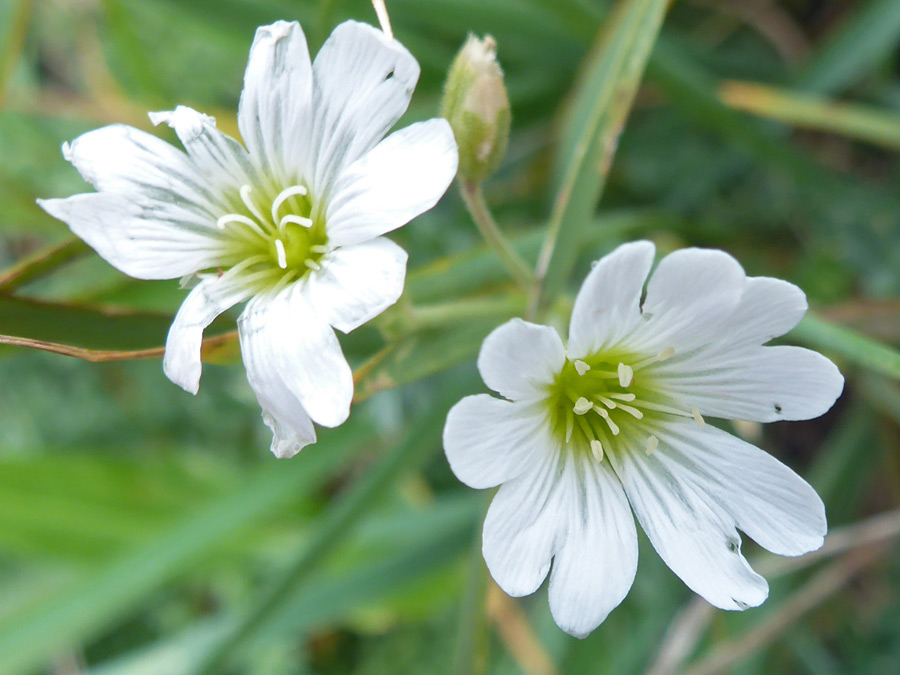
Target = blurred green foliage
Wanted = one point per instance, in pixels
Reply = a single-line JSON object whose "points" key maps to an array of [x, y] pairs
{"points": [[140, 527]]}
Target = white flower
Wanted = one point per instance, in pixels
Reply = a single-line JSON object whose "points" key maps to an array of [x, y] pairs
{"points": [[292, 223], [614, 422]]}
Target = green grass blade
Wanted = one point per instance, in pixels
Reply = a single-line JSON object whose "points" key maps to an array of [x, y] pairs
{"points": [[30, 640], [613, 74], [856, 348]]}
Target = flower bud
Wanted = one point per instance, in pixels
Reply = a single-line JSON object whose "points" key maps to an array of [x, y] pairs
{"points": [[477, 107]]}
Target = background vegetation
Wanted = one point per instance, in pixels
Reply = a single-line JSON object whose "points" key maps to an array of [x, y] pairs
{"points": [[146, 531]]}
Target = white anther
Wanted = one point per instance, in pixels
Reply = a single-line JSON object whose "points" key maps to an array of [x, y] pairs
{"points": [[283, 196], [612, 425], [625, 375], [652, 444], [582, 406], [597, 450], [605, 401], [280, 252], [245, 197], [297, 220], [581, 367], [698, 418], [312, 264], [666, 354], [318, 248]]}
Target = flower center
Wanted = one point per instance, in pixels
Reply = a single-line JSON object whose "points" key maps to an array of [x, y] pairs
{"points": [[593, 400], [274, 239]]}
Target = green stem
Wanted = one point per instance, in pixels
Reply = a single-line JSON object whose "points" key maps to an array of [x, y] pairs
{"points": [[471, 641], [473, 196], [435, 316], [853, 346]]}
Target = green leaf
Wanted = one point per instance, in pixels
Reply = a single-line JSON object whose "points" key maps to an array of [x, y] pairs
{"points": [[614, 71], [30, 639], [869, 35], [856, 348]]}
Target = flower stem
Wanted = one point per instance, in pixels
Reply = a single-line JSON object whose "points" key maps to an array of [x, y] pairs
{"points": [[473, 195]]}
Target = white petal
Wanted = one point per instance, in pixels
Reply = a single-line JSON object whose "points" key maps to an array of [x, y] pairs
{"points": [[759, 384], [283, 413], [689, 296], [141, 241], [204, 303], [519, 360], [768, 308], [126, 161], [489, 441], [607, 307], [363, 81], [768, 501], [692, 533], [274, 111], [595, 567], [305, 350], [402, 177], [358, 282], [224, 162], [524, 527]]}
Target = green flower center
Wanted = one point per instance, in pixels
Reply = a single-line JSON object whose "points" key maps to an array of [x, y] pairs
{"points": [[273, 237], [592, 401]]}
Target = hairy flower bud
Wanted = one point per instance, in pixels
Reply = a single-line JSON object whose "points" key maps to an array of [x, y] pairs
{"points": [[477, 107]]}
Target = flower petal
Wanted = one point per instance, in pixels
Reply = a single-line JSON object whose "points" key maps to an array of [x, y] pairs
{"points": [[689, 296], [768, 308], [204, 303], [607, 307], [305, 350], [520, 359], [692, 533], [363, 81], [282, 412], [142, 241], [768, 501], [358, 282], [489, 441], [274, 111], [402, 177], [223, 161], [760, 384], [524, 527], [126, 161], [595, 567]]}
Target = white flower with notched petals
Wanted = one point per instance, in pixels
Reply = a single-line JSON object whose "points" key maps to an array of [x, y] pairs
{"points": [[614, 423], [292, 223]]}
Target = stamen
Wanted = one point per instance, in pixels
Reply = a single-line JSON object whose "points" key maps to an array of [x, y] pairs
{"points": [[283, 196], [626, 374], [312, 264], [664, 355], [297, 220], [662, 408], [698, 418], [623, 397], [243, 220], [587, 430], [605, 415], [318, 248], [570, 424], [605, 401], [582, 406], [597, 450], [282, 256], [581, 367], [634, 412], [652, 444], [245, 197]]}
